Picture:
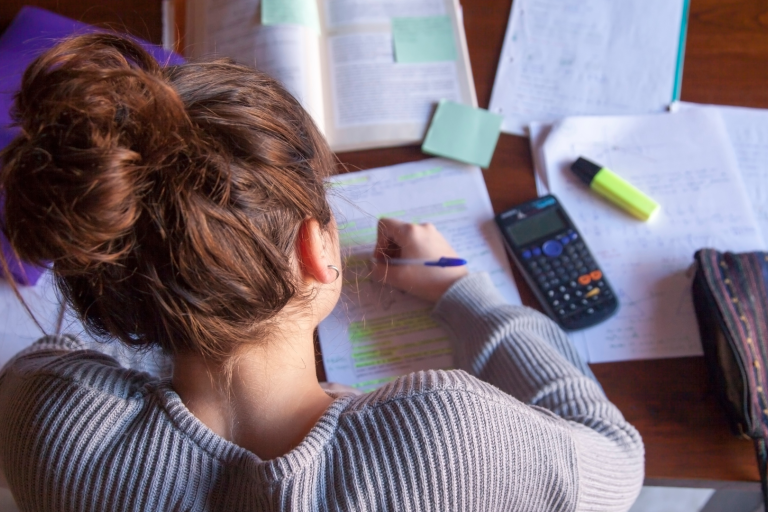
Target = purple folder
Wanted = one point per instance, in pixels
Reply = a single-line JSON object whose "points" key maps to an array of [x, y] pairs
{"points": [[33, 31]]}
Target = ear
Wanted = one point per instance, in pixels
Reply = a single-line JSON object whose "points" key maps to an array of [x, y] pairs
{"points": [[313, 248]]}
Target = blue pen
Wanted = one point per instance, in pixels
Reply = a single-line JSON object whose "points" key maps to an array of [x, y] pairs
{"points": [[442, 262]]}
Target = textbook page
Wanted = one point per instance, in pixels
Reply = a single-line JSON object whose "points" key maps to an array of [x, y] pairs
{"points": [[574, 57], [372, 100], [748, 131], [377, 333], [288, 53], [684, 162]]}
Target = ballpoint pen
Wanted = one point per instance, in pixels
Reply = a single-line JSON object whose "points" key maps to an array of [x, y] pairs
{"points": [[442, 262]]}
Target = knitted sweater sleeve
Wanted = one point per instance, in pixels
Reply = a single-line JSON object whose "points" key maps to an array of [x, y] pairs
{"points": [[528, 356]]}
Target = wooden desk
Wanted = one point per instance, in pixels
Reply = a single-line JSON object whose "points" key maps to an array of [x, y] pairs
{"points": [[671, 402]]}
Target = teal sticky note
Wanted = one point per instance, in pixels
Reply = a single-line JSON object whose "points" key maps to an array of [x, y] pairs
{"points": [[423, 39], [292, 12], [463, 133]]}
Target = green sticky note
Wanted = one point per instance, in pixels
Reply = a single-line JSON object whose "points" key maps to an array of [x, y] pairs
{"points": [[423, 39], [292, 12], [463, 133]]}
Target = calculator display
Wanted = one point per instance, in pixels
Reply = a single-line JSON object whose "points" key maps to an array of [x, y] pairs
{"points": [[543, 224]]}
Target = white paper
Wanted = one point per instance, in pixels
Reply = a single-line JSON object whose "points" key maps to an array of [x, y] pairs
{"points": [[290, 54], [748, 131], [685, 163], [391, 331], [573, 57], [354, 12], [370, 88]]}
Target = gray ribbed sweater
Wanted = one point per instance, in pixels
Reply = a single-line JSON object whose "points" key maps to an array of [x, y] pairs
{"points": [[80, 432]]}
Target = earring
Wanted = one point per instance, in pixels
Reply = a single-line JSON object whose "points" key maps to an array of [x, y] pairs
{"points": [[334, 267]]}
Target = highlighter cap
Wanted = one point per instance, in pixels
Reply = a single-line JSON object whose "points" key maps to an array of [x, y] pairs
{"points": [[585, 170]]}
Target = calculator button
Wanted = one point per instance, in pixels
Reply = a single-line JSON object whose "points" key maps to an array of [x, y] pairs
{"points": [[572, 306], [536, 251], [560, 271], [566, 297], [590, 311], [584, 279], [584, 302], [562, 289], [551, 293], [574, 236], [555, 303], [552, 248], [554, 282], [596, 275], [526, 255], [583, 270], [561, 311], [579, 245], [578, 293], [551, 273], [565, 240], [592, 293], [570, 250]]}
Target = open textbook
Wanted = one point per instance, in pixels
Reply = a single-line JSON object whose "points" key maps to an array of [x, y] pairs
{"points": [[588, 57], [376, 333], [686, 163], [338, 58]]}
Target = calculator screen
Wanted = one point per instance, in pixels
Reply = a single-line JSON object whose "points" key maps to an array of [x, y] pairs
{"points": [[537, 226]]}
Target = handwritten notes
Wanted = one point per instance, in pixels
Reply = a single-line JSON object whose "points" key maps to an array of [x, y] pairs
{"points": [[572, 57], [748, 131], [376, 333], [683, 161]]}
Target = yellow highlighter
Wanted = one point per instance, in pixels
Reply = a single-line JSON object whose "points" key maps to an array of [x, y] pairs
{"points": [[612, 187]]}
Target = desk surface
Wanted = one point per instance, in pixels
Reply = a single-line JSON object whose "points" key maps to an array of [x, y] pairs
{"points": [[671, 402]]}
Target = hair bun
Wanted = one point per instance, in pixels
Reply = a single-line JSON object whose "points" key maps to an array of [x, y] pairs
{"points": [[98, 120]]}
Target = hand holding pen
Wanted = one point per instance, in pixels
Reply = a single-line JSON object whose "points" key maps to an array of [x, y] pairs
{"points": [[416, 258]]}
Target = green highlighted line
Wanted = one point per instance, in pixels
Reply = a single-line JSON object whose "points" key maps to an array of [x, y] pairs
{"points": [[397, 359], [389, 326], [420, 174]]}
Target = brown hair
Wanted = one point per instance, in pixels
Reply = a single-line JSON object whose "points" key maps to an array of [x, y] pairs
{"points": [[169, 201]]}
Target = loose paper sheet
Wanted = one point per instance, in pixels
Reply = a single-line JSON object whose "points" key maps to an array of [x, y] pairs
{"points": [[748, 131], [571, 57], [683, 161], [377, 333], [423, 39]]}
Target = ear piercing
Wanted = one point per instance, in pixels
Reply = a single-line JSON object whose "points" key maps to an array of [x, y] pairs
{"points": [[334, 267]]}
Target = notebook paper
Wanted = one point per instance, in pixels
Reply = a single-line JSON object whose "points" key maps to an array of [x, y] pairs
{"points": [[748, 131], [685, 162], [376, 333], [599, 57]]}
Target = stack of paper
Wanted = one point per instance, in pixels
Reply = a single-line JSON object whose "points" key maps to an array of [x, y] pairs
{"points": [[686, 163]]}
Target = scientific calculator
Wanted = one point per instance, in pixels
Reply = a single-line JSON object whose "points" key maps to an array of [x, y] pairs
{"points": [[553, 258]]}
